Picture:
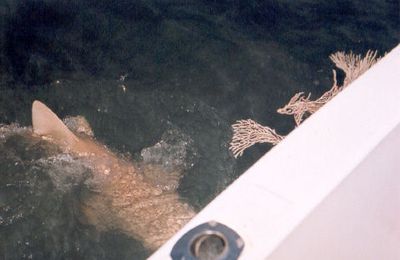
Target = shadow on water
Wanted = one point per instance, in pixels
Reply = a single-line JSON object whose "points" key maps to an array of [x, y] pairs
{"points": [[136, 70]]}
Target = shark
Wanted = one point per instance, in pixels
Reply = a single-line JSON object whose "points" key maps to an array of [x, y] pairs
{"points": [[121, 197]]}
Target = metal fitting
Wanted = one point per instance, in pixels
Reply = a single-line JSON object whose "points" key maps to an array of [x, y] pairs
{"points": [[208, 241]]}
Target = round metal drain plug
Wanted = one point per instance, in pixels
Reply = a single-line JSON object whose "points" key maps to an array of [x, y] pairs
{"points": [[208, 241]]}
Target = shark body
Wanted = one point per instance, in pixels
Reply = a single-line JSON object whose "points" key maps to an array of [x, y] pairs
{"points": [[122, 198]]}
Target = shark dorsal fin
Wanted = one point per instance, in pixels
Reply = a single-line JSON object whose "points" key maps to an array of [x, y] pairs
{"points": [[46, 123]]}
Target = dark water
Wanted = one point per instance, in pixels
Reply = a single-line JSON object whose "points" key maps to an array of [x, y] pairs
{"points": [[192, 65]]}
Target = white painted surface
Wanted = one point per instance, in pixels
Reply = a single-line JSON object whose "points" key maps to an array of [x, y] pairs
{"points": [[282, 201], [360, 219]]}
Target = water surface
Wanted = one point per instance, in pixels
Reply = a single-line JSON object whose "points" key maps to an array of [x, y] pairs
{"points": [[137, 69]]}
